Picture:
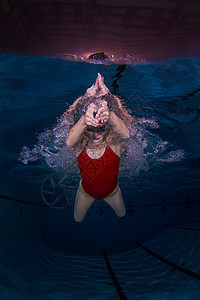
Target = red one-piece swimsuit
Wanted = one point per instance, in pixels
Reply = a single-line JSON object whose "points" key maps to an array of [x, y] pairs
{"points": [[99, 176]]}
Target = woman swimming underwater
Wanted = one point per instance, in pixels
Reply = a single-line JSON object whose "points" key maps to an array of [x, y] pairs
{"points": [[98, 129], [98, 132]]}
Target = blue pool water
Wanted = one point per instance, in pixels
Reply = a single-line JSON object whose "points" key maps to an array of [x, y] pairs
{"points": [[44, 254]]}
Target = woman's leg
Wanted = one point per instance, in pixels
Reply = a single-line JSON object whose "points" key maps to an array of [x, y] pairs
{"points": [[116, 201], [82, 204]]}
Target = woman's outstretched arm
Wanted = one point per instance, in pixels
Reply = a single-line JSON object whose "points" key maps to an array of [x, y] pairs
{"points": [[76, 132], [118, 126]]}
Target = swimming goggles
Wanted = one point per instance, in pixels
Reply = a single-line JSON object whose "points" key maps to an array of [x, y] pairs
{"points": [[96, 129]]}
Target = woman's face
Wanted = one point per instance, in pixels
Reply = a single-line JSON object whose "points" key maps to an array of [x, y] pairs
{"points": [[97, 134]]}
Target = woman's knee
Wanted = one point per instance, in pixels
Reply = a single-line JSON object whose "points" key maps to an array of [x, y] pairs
{"points": [[117, 203], [82, 204], [121, 213], [78, 218], [80, 212]]}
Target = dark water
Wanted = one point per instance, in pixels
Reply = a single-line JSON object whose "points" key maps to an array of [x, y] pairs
{"points": [[46, 255]]}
